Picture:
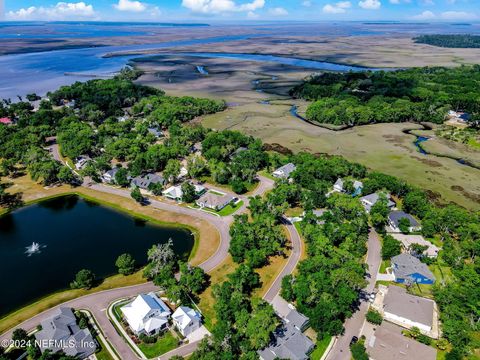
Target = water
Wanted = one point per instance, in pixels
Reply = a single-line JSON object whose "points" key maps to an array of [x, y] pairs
{"points": [[73, 234], [201, 70], [418, 144]]}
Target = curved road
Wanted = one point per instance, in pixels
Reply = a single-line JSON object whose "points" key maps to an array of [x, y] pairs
{"points": [[98, 303]]}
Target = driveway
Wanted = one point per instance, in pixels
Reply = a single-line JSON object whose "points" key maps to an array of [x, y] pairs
{"points": [[353, 325]]}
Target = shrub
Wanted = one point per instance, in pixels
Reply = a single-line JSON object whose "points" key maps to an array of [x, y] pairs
{"points": [[374, 317]]}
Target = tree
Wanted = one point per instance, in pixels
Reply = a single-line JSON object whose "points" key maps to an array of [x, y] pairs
{"points": [[172, 170], [196, 166], [125, 264], [65, 175], [390, 247], [359, 352], [136, 194], [121, 177], [374, 317], [189, 193], [404, 225], [193, 278], [159, 256], [84, 279], [20, 335], [238, 186]]}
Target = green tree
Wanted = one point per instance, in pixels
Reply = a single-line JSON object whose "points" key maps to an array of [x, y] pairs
{"points": [[374, 317], [125, 264], [121, 177], [172, 170], [358, 350], [84, 279], [189, 193], [404, 225], [66, 176], [193, 278], [136, 194], [20, 335], [390, 247]]}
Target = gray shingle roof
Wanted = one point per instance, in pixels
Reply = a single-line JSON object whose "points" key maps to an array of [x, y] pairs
{"points": [[395, 217], [297, 319], [405, 264], [144, 181], [415, 308], [290, 344], [285, 170], [370, 200]]}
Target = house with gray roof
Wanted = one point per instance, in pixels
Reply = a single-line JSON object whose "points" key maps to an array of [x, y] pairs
{"points": [[394, 221], [109, 176], [214, 200], [284, 171], [60, 332], [289, 343], [408, 240], [408, 269], [408, 310], [388, 344], [144, 181], [369, 200], [297, 320], [357, 186]]}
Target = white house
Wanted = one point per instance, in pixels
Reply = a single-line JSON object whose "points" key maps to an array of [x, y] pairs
{"points": [[357, 186], [173, 193], [109, 176], [284, 171], [186, 320], [147, 314], [369, 200], [81, 162], [408, 310]]}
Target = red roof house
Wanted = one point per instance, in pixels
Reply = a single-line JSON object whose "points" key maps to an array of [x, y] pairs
{"points": [[6, 121]]}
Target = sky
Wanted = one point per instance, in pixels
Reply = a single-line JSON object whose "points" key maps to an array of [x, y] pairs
{"points": [[240, 10]]}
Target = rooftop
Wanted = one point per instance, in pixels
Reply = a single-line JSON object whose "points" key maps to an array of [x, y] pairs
{"points": [[395, 217], [290, 344], [415, 308], [408, 240], [405, 264]]}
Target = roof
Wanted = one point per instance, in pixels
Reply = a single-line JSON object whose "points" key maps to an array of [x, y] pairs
{"points": [[6, 121], [62, 328], [386, 344], [405, 265], [408, 240], [184, 315], [395, 217], [214, 200], [112, 172], [339, 184], [285, 170], [155, 132], [138, 312], [144, 181], [174, 192], [296, 319], [371, 199], [399, 302], [290, 344]]}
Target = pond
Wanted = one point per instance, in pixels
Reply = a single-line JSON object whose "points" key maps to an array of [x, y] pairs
{"points": [[72, 234]]}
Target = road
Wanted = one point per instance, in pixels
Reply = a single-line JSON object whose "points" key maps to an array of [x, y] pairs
{"points": [[353, 325], [97, 303]]}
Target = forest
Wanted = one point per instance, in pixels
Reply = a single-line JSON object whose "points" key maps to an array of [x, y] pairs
{"points": [[415, 95], [449, 41]]}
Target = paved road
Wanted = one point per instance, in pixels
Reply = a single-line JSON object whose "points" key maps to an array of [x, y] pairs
{"points": [[353, 326], [98, 303]]}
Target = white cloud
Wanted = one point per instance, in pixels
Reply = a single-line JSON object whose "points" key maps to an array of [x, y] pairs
{"points": [[426, 15], [221, 6], [130, 6], [252, 15], [447, 15], [370, 4], [338, 8], [60, 11], [278, 11], [307, 3]]}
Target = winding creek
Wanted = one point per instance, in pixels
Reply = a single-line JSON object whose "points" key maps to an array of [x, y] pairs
{"points": [[72, 234]]}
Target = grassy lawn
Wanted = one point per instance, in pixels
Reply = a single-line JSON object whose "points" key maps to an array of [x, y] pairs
{"points": [[230, 209], [164, 344], [384, 265], [50, 301], [267, 174], [320, 348], [294, 212], [102, 353]]}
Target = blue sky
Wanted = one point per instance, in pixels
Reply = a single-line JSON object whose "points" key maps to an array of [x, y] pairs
{"points": [[241, 10]]}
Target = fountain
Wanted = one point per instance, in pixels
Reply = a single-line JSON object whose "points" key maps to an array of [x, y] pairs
{"points": [[33, 249]]}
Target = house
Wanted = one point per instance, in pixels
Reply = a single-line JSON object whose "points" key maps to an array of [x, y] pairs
{"points": [[388, 344], [197, 148], [144, 181], [155, 132], [297, 320], [289, 343], [81, 162], [408, 240], [408, 269], [357, 185], [147, 314], [284, 171], [6, 121], [186, 320], [394, 221], [109, 176], [173, 193], [183, 172], [408, 310], [369, 200], [60, 332], [214, 200], [238, 151]]}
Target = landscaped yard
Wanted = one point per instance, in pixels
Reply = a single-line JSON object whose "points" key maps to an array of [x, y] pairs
{"points": [[102, 353], [384, 265], [230, 209], [164, 344], [320, 348]]}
